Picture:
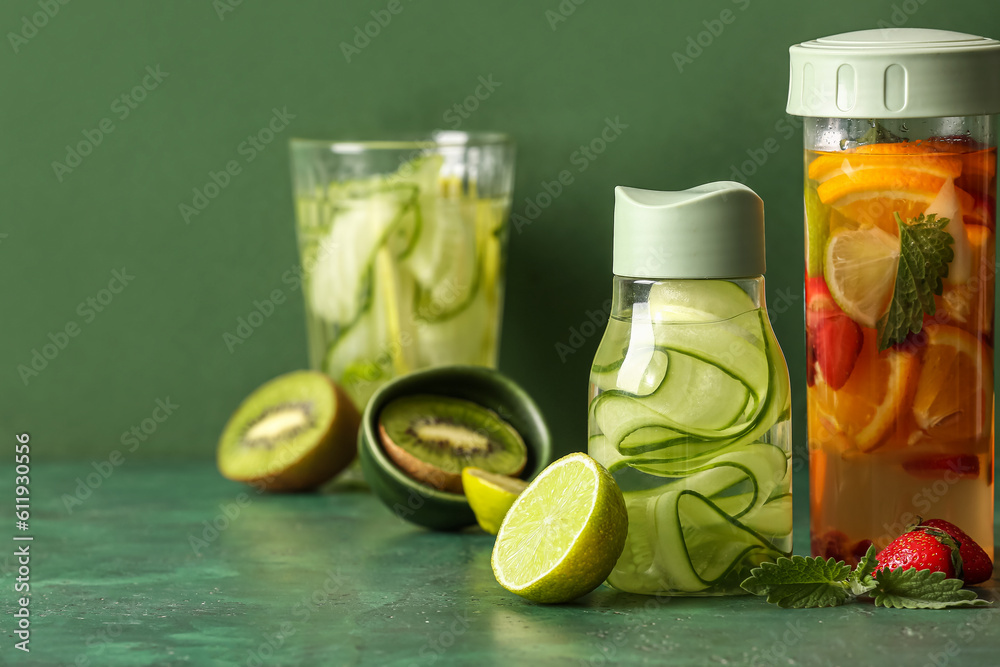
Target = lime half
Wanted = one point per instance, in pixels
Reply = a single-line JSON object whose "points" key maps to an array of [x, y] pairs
{"points": [[490, 495], [860, 268], [564, 533]]}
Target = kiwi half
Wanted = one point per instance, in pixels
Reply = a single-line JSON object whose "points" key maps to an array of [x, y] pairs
{"points": [[293, 433], [431, 438]]}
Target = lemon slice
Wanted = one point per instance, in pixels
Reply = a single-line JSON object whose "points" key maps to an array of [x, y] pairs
{"points": [[490, 495], [860, 269], [564, 533]]}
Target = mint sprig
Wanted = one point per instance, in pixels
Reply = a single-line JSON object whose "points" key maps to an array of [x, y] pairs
{"points": [[800, 582], [924, 254], [922, 589]]}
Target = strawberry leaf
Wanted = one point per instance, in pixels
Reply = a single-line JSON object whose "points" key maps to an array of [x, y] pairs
{"points": [[922, 589], [924, 254], [798, 582], [861, 580]]}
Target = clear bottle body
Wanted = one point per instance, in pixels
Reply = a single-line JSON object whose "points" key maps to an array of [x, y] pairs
{"points": [[689, 410], [900, 388]]}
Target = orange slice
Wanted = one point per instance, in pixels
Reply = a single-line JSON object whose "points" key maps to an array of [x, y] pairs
{"points": [[872, 182], [870, 197], [900, 148], [969, 305], [830, 165], [954, 393], [872, 405]]}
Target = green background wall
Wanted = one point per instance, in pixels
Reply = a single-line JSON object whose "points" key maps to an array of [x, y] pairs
{"points": [[62, 235]]}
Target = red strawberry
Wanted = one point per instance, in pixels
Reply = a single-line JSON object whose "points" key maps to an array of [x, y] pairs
{"points": [[833, 339], [922, 550], [838, 344], [976, 565]]}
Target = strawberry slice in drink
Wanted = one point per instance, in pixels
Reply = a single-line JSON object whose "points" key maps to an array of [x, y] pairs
{"points": [[834, 338]]}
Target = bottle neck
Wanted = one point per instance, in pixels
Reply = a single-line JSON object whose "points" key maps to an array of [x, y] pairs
{"points": [[631, 291]]}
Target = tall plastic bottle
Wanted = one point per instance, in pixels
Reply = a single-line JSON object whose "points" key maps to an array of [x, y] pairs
{"points": [[900, 133], [689, 395]]}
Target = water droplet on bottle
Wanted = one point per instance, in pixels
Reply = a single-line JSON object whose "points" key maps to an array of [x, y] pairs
{"points": [[904, 128]]}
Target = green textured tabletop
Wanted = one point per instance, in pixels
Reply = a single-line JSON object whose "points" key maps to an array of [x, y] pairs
{"points": [[171, 565]]}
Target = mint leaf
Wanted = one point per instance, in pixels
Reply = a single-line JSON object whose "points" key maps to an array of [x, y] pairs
{"points": [[861, 580], [924, 254], [798, 582], [922, 589]]}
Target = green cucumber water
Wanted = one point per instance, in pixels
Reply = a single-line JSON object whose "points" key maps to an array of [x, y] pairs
{"points": [[400, 272], [689, 410]]}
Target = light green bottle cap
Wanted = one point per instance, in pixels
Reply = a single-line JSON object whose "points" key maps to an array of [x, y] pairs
{"points": [[895, 73], [714, 230]]}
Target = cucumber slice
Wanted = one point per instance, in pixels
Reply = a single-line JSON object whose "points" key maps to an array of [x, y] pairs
{"points": [[705, 430], [602, 450], [772, 518], [697, 300], [446, 259], [681, 541], [695, 398], [650, 367], [736, 346], [756, 469], [339, 279], [465, 338]]}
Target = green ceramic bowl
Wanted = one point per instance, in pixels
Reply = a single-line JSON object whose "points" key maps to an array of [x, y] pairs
{"points": [[424, 505]]}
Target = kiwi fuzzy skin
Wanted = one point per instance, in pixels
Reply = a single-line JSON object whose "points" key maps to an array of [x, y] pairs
{"points": [[332, 454], [417, 469]]}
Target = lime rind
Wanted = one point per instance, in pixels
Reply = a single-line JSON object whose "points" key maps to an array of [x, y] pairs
{"points": [[563, 534], [817, 216], [490, 496]]}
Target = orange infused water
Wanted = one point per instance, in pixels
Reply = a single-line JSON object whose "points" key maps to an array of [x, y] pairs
{"points": [[900, 266]]}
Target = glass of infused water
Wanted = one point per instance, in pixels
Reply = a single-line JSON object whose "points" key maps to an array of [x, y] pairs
{"points": [[900, 222], [402, 246]]}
